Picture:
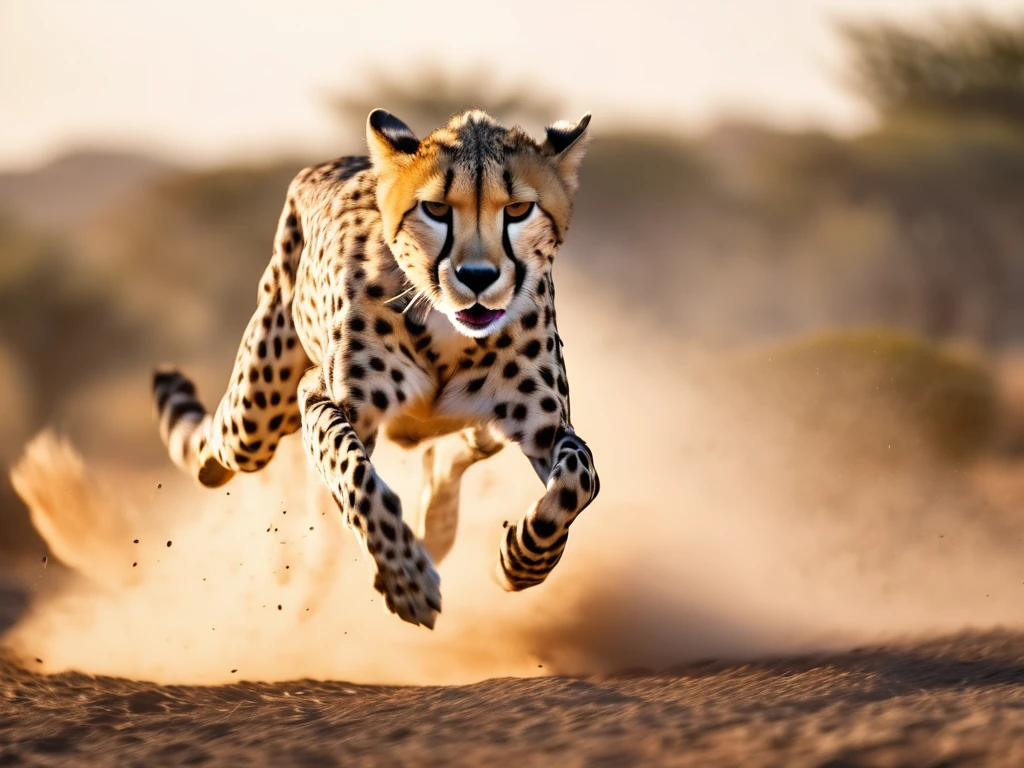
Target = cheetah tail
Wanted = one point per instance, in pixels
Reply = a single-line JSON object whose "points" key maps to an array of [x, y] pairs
{"points": [[185, 427]]}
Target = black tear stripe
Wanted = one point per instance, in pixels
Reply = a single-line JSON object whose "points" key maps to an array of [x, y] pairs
{"points": [[449, 177], [520, 267], [446, 250], [401, 221]]}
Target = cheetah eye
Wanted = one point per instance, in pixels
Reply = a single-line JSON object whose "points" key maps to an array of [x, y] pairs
{"points": [[437, 211], [518, 211]]}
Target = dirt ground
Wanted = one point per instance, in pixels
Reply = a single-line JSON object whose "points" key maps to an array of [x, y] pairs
{"points": [[948, 702]]}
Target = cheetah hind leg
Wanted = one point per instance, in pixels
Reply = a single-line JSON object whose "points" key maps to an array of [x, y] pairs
{"points": [[444, 463], [258, 409]]}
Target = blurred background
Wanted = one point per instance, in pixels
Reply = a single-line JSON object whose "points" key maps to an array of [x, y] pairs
{"points": [[766, 180]]}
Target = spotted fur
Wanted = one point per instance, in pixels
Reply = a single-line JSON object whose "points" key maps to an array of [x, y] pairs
{"points": [[379, 310]]}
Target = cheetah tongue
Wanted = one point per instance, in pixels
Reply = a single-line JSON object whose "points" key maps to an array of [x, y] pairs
{"points": [[479, 316]]}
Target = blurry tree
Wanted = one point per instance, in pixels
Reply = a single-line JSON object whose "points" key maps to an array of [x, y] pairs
{"points": [[968, 65]]}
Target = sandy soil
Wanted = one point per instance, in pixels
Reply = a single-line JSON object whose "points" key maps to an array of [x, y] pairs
{"points": [[949, 702]]}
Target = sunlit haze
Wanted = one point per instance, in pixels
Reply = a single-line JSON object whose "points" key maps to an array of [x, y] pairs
{"points": [[199, 81]]}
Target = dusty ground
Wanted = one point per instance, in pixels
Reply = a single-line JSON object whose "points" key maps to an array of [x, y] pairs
{"points": [[950, 702]]}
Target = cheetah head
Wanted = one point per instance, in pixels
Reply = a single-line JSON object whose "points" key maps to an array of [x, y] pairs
{"points": [[474, 212]]}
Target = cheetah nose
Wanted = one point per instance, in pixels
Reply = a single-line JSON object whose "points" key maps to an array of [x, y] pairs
{"points": [[477, 277]]}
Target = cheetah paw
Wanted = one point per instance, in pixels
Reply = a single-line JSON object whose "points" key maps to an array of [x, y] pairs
{"points": [[410, 584]]}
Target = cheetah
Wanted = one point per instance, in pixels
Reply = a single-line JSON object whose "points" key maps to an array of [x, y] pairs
{"points": [[410, 291]]}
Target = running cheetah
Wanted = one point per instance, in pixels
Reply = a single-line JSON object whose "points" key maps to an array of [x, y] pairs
{"points": [[410, 290]]}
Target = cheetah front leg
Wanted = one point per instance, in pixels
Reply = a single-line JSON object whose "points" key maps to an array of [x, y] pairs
{"points": [[533, 546], [402, 570], [443, 467]]}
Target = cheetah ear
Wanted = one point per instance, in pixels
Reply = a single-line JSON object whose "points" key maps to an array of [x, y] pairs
{"points": [[566, 142], [388, 137]]}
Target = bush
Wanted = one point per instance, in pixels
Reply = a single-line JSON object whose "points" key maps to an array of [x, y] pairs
{"points": [[878, 394]]}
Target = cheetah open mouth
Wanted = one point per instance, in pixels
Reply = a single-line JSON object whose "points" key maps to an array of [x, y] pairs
{"points": [[478, 316]]}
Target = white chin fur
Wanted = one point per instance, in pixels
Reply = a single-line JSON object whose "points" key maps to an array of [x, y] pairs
{"points": [[478, 333]]}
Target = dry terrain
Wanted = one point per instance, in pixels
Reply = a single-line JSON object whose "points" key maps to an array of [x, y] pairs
{"points": [[950, 702]]}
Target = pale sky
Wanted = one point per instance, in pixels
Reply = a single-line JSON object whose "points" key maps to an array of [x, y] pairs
{"points": [[204, 81]]}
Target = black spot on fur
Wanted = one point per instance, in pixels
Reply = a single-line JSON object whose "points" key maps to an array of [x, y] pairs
{"points": [[526, 386], [511, 370], [544, 528], [501, 410], [549, 404], [503, 341], [530, 320], [568, 499], [476, 384], [382, 327], [275, 422], [414, 328], [544, 438], [519, 412]]}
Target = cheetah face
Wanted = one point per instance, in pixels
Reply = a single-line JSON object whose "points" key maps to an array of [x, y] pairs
{"points": [[474, 213]]}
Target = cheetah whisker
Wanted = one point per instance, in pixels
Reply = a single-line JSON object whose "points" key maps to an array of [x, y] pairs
{"points": [[409, 290]]}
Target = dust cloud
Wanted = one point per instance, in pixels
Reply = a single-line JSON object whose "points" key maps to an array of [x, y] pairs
{"points": [[718, 534]]}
